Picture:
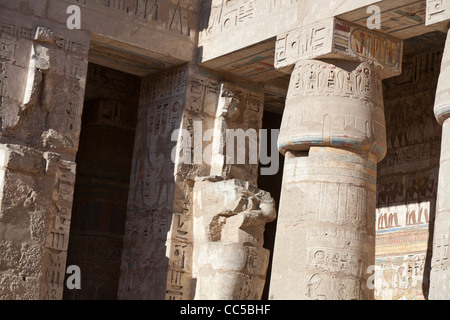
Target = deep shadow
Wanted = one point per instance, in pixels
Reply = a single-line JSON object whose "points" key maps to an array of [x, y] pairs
{"points": [[102, 183], [271, 184], [429, 256]]}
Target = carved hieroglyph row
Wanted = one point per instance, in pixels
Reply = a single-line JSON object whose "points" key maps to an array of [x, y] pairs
{"points": [[152, 193], [320, 78], [227, 15], [63, 101], [325, 227], [359, 125], [400, 277], [57, 242], [335, 38], [171, 15], [161, 190], [52, 96]]}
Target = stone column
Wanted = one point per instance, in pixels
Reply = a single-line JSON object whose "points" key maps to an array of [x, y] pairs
{"points": [[440, 263], [332, 135], [438, 15], [42, 82]]}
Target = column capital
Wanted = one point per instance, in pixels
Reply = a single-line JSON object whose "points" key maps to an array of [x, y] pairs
{"points": [[438, 12], [338, 39], [336, 104]]}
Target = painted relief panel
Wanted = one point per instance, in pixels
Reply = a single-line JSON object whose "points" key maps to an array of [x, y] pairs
{"points": [[407, 183], [331, 37]]}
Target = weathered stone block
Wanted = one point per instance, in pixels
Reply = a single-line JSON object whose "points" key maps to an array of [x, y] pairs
{"points": [[229, 218], [334, 38]]}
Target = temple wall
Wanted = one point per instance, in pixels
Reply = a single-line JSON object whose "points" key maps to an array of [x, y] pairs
{"points": [[177, 219], [244, 23], [43, 73], [408, 178], [111, 22], [158, 236]]}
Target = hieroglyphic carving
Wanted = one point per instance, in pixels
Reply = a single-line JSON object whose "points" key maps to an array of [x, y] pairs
{"points": [[55, 253], [350, 265], [400, 277], [297, 44], [170, 85], [315, 77], [108, 113], [407, 184], [441, 252], [329, 126], [170, 101], [6, 52], [406, 200], [332, 37], [332, 260], [171, 15], [17, 31], [180, 267], [228, 15], [202, 95], [437, 11], [45, 44]]}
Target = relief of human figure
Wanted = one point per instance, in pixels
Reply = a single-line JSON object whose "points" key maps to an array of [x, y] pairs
{"points": [[142, 162]]}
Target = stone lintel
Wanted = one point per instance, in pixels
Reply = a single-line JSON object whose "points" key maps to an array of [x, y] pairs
{"points": [[438, 12], [334, 38]]}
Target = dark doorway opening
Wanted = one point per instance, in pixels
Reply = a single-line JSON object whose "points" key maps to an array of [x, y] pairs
{"points": [[272, 184], [103, 176]]}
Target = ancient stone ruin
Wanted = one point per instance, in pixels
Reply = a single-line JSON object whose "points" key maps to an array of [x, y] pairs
{"points": [[224, 150]]}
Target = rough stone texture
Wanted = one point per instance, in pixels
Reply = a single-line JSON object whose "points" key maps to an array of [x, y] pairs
{"points": [[156, 260], [43, 73], [227, 26], [229, 221], [407, 180], [148, 22], [440, 272], [239, 113], [333, 135], [325, 232], [230, 213]]}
